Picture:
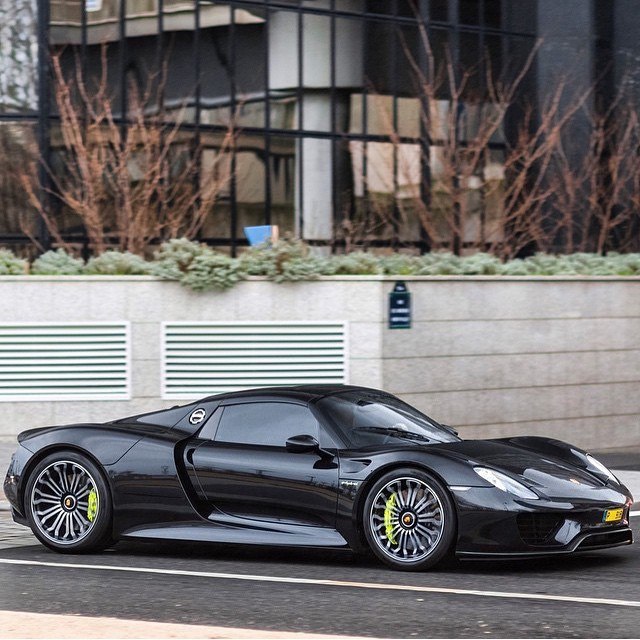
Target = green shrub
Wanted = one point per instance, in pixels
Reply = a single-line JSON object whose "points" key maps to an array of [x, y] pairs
{"points": [[11, 265], [439, 264], [282, 261], [629, 264], [543, 264], [211, 270], [198, 266], [57, 263], [116, 263], [174, 257], [358, 263], [517, 267], [481, 264], [400, 264]]}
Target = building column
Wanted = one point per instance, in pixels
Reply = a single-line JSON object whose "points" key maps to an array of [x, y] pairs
{"points": [[316, 184]]}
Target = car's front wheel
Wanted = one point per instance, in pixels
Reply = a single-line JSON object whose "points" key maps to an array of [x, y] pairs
{"points": [[68, 504], [409, 520]]}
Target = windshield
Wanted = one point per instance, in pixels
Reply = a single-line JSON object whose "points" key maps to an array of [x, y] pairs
{"points": [[370, 419]]}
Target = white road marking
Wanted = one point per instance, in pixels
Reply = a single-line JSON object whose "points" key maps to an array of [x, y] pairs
{"points": [[331, 583], [633, 514]]}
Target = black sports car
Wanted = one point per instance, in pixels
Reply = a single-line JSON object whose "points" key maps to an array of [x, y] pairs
{"points": [[318, 466]]}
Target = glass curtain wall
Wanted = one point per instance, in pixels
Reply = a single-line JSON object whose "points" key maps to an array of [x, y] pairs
{"points": [[311, 114]]}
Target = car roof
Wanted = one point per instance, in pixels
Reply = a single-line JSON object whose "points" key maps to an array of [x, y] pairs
{"points": [[303, 392]]}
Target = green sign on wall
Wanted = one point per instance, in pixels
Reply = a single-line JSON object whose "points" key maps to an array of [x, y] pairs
{"points": [[400, 307]]}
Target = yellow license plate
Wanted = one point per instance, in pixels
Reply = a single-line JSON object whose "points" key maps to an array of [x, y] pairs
{"points": [[613, 515]]}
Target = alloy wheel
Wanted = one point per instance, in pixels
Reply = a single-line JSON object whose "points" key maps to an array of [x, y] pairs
{"points": [[65, 502], [406, 520]]}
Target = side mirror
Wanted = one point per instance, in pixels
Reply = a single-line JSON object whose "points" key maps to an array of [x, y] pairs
{"points": [[450, 429], [307, 444], [302, 444]]}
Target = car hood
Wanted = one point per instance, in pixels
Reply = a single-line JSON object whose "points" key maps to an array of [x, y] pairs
{"points": [[548, 475]]}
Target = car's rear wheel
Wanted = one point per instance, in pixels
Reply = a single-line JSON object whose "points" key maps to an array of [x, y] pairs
{"points": [[409, 520], [68, 504]]}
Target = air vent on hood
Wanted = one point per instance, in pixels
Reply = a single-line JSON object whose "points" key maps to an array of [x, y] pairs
{"points": [[213, 357], [64, 361]]}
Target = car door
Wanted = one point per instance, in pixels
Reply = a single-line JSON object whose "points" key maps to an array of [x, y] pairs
{"points": [[245, 470]]}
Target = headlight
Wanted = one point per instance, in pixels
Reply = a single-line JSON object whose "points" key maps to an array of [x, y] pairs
{"points": [[505, 483], [598, 466]]}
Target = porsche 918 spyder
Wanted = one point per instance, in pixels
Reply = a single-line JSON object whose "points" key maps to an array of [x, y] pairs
{"points": [[318, 466]]}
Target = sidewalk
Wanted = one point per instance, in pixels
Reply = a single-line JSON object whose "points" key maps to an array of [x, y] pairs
{"points": [[19, 624]]}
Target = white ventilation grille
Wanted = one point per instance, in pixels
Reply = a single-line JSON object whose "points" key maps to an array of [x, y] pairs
{"points": [[70, 361], [204, 358]]}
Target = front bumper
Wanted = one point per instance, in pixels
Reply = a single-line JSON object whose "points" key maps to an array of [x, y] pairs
{"points": [[493, 523]]}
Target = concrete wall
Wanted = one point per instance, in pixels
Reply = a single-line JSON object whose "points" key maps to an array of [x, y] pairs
{"points": [[548, 356], [491, 356], [146, 302]]}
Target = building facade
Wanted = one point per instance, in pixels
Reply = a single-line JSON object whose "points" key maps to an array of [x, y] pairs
{"points": [[342, 112]]}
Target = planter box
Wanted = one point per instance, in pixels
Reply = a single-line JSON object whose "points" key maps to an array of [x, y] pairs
{"points": [[492, 356]]}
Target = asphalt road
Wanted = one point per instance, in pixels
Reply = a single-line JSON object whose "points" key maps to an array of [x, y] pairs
{"points": [[596, 595]]}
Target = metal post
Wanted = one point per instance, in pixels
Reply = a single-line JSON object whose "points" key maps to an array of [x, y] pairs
{"points": [[196, 143], [232, 183], [425, 136], [332, 92], [300, 139], [454, 18], [267, 120], [160, 55], [44, 113], [122, 60], [395, 42]]}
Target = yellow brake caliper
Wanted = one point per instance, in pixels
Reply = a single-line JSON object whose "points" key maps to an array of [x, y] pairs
{"points": [[388, 513], [92, 507]]}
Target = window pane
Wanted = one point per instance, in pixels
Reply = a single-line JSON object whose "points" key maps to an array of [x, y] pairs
{"points": [[18, 159], [469, 11], [439, 10], [18, 57], [253, 167], [493, 14], [265, 423]]}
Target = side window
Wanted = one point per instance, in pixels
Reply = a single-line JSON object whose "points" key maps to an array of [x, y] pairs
{"points": [[265, 423]]}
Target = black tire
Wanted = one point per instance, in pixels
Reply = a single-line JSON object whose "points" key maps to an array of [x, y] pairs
{"points": [[409, 520], [68, 504]]}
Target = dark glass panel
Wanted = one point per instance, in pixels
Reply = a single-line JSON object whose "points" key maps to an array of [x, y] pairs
{"points": [[493, 14], [384, 7], [439, 10], [493, 55], [469, 12], [471, 58]]}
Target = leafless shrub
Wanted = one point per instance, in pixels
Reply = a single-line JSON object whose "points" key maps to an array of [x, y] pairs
{"points": [[130, 183], [532, 190]]}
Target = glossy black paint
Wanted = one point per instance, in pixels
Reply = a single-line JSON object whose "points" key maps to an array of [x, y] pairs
{"points": [[170, 479]]}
